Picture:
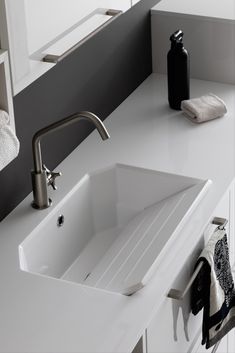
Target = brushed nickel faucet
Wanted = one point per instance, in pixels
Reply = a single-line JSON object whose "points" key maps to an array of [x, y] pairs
{"points": [[42, 177]]}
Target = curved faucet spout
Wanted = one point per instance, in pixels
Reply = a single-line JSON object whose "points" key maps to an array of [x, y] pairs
{"points": [[41, 176], [71, 119]]}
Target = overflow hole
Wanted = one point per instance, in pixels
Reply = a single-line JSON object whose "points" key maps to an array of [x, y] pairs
{"points": [[60, 221]]}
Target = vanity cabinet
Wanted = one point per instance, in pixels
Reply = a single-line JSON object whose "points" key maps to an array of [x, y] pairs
{"points": [[198, 348], [174, 328], [226, 345]]}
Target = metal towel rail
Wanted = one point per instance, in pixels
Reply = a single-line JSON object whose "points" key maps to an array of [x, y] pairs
{"points": [[50, 58], [178, 294]]}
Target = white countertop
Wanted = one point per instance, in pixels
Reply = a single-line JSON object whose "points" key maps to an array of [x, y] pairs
{"points": [[209, 8], [40, 314]]}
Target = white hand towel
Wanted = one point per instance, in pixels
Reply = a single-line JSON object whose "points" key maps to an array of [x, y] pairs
{"points": [[9, 144], [204, 108]]}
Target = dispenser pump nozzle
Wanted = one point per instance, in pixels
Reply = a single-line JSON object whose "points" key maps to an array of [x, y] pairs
{"points": [[177, 36]]}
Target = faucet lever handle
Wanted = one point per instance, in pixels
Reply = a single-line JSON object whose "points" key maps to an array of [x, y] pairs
{"points": [[54, 175], [51, 176]]}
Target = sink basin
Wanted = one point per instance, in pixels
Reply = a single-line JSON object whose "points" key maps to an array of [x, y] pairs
{"points": [[111, 228]]}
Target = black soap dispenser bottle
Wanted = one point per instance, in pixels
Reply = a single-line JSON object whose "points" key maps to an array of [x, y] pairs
{"points": [[177, 71]]}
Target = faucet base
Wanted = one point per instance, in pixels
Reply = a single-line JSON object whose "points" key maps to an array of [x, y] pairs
{"points": [[40, 195], [34, 205]]}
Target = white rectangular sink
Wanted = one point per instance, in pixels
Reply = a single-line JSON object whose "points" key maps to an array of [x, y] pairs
{"points": [[113, 226]]}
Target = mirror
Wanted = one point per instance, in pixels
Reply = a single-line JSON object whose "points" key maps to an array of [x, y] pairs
{"points": [[40, 33]]}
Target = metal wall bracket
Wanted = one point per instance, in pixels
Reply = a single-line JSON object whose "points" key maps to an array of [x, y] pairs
{"points": [[220, 222]]}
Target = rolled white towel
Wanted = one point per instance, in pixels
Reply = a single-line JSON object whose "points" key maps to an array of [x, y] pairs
{"points": [[9, 144], [204, 108]]}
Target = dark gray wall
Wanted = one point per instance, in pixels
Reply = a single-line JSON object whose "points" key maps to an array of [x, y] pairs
{"points": [[97, 77]]}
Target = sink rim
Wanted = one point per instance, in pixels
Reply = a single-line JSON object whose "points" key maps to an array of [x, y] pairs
{"points": [[73, 190]]}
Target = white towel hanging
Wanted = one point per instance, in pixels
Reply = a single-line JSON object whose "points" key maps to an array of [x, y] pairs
{"points": [[9, 144]]}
